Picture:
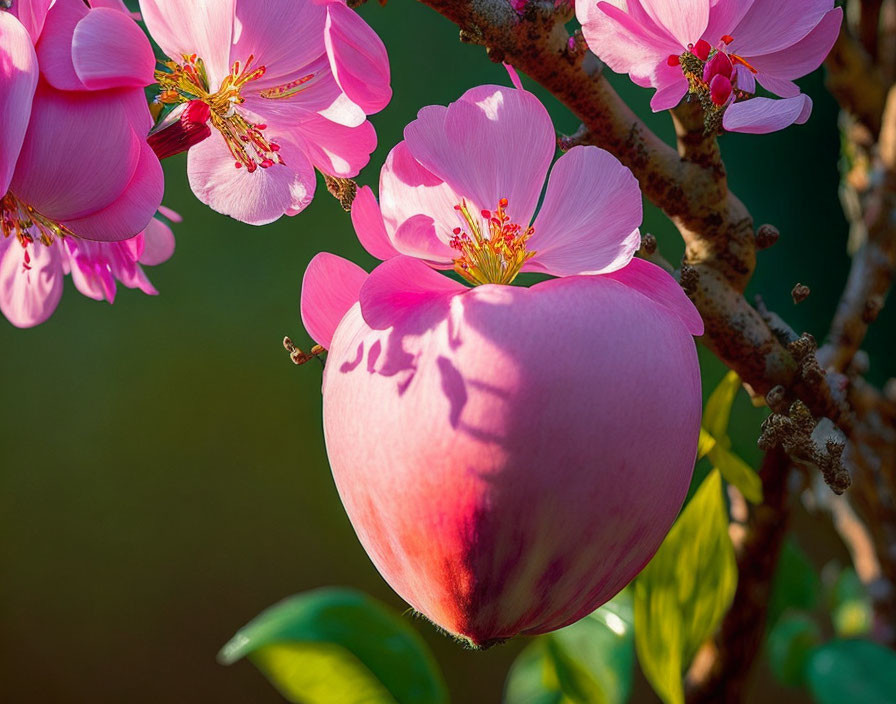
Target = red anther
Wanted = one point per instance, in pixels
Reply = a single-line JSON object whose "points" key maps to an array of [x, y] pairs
{"points": [[238, 164], [718, 65], [244, 138], [267, 163], [727, 39], [27, 257], [457, 207], [673, 60], [503, 202], [261, 126], [702, 49], [456, 230], [275, 147], [486, 214], [720, 89]]}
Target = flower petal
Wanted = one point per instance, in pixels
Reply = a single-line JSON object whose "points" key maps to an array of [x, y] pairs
{"points": [[764, 115], [660, 287], [158, 243], [333, 148], [358, 58], [330, 287], [18, 79], [109, 50], [132, 211], [408, 191], [686, 20], [803, 57], [368, 223], [671, 87], [254, 198], [32, 14], [31, 281], [54, 50], [202, 27], [284, 36], [772, 25], [493, 143], [590, 217], [79, 153], [399, 287]]}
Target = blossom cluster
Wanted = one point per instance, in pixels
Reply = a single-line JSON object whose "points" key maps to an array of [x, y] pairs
{"points": [[509, 456]]}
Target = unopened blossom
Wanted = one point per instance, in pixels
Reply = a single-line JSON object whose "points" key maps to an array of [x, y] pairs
{"points": [[509, 457], [286, 86], [74, 162], [719, 51]]}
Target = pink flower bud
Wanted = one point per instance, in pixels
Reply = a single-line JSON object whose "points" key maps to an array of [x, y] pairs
{"points": [[719, 65], [720, 90]]}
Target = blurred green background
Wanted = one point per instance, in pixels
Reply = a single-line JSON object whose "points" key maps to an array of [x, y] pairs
{"points": [[164, 477]]}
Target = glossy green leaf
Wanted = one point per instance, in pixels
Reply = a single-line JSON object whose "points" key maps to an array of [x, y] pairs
{"points": [[589, 662], [851, 611], [682, 595], [790, 643], [737, 472], [852, 672], [717, 413], [338, 645], [796, 584]]}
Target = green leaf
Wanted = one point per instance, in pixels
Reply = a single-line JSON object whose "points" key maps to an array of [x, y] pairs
{"points": [[338, 645], [589, 662], [683, 593], [718, 408], [790, 643], [851, 611], [705, 445], [796, 584], [737, 472], [847, 671]]}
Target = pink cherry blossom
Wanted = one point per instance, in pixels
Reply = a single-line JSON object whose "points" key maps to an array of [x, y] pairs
{"points": [[74, 162], [31, 273], [289, 84], [670, 45], [509, 457]]}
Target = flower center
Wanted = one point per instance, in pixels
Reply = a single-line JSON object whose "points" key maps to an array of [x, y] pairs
{"points": [[186, 82], [493, 254], [26, 224], [713, 78]]}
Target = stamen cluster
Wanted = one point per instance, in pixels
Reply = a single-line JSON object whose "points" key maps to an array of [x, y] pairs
{"points": [[187, 82], [495, 257], [26, 224]]}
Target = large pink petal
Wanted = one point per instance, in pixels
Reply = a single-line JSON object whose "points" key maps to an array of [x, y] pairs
{"points": [[333, 148], [408, 190], [284, 36], [493, 143], [764, 115], [32, 14], [399, 286], [686, 20], [671, 87], [626, 43], [590, 217], [132, 211], [254, 198], [772, 25], [18, 79], [54, 50], [358, 58], [31, 281], [724, 16], [414, 237], [803, 57], [158, 243], [368, 223], [109, 50], [79, 154], [330, 287], [203, 27], [660, 287]]}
